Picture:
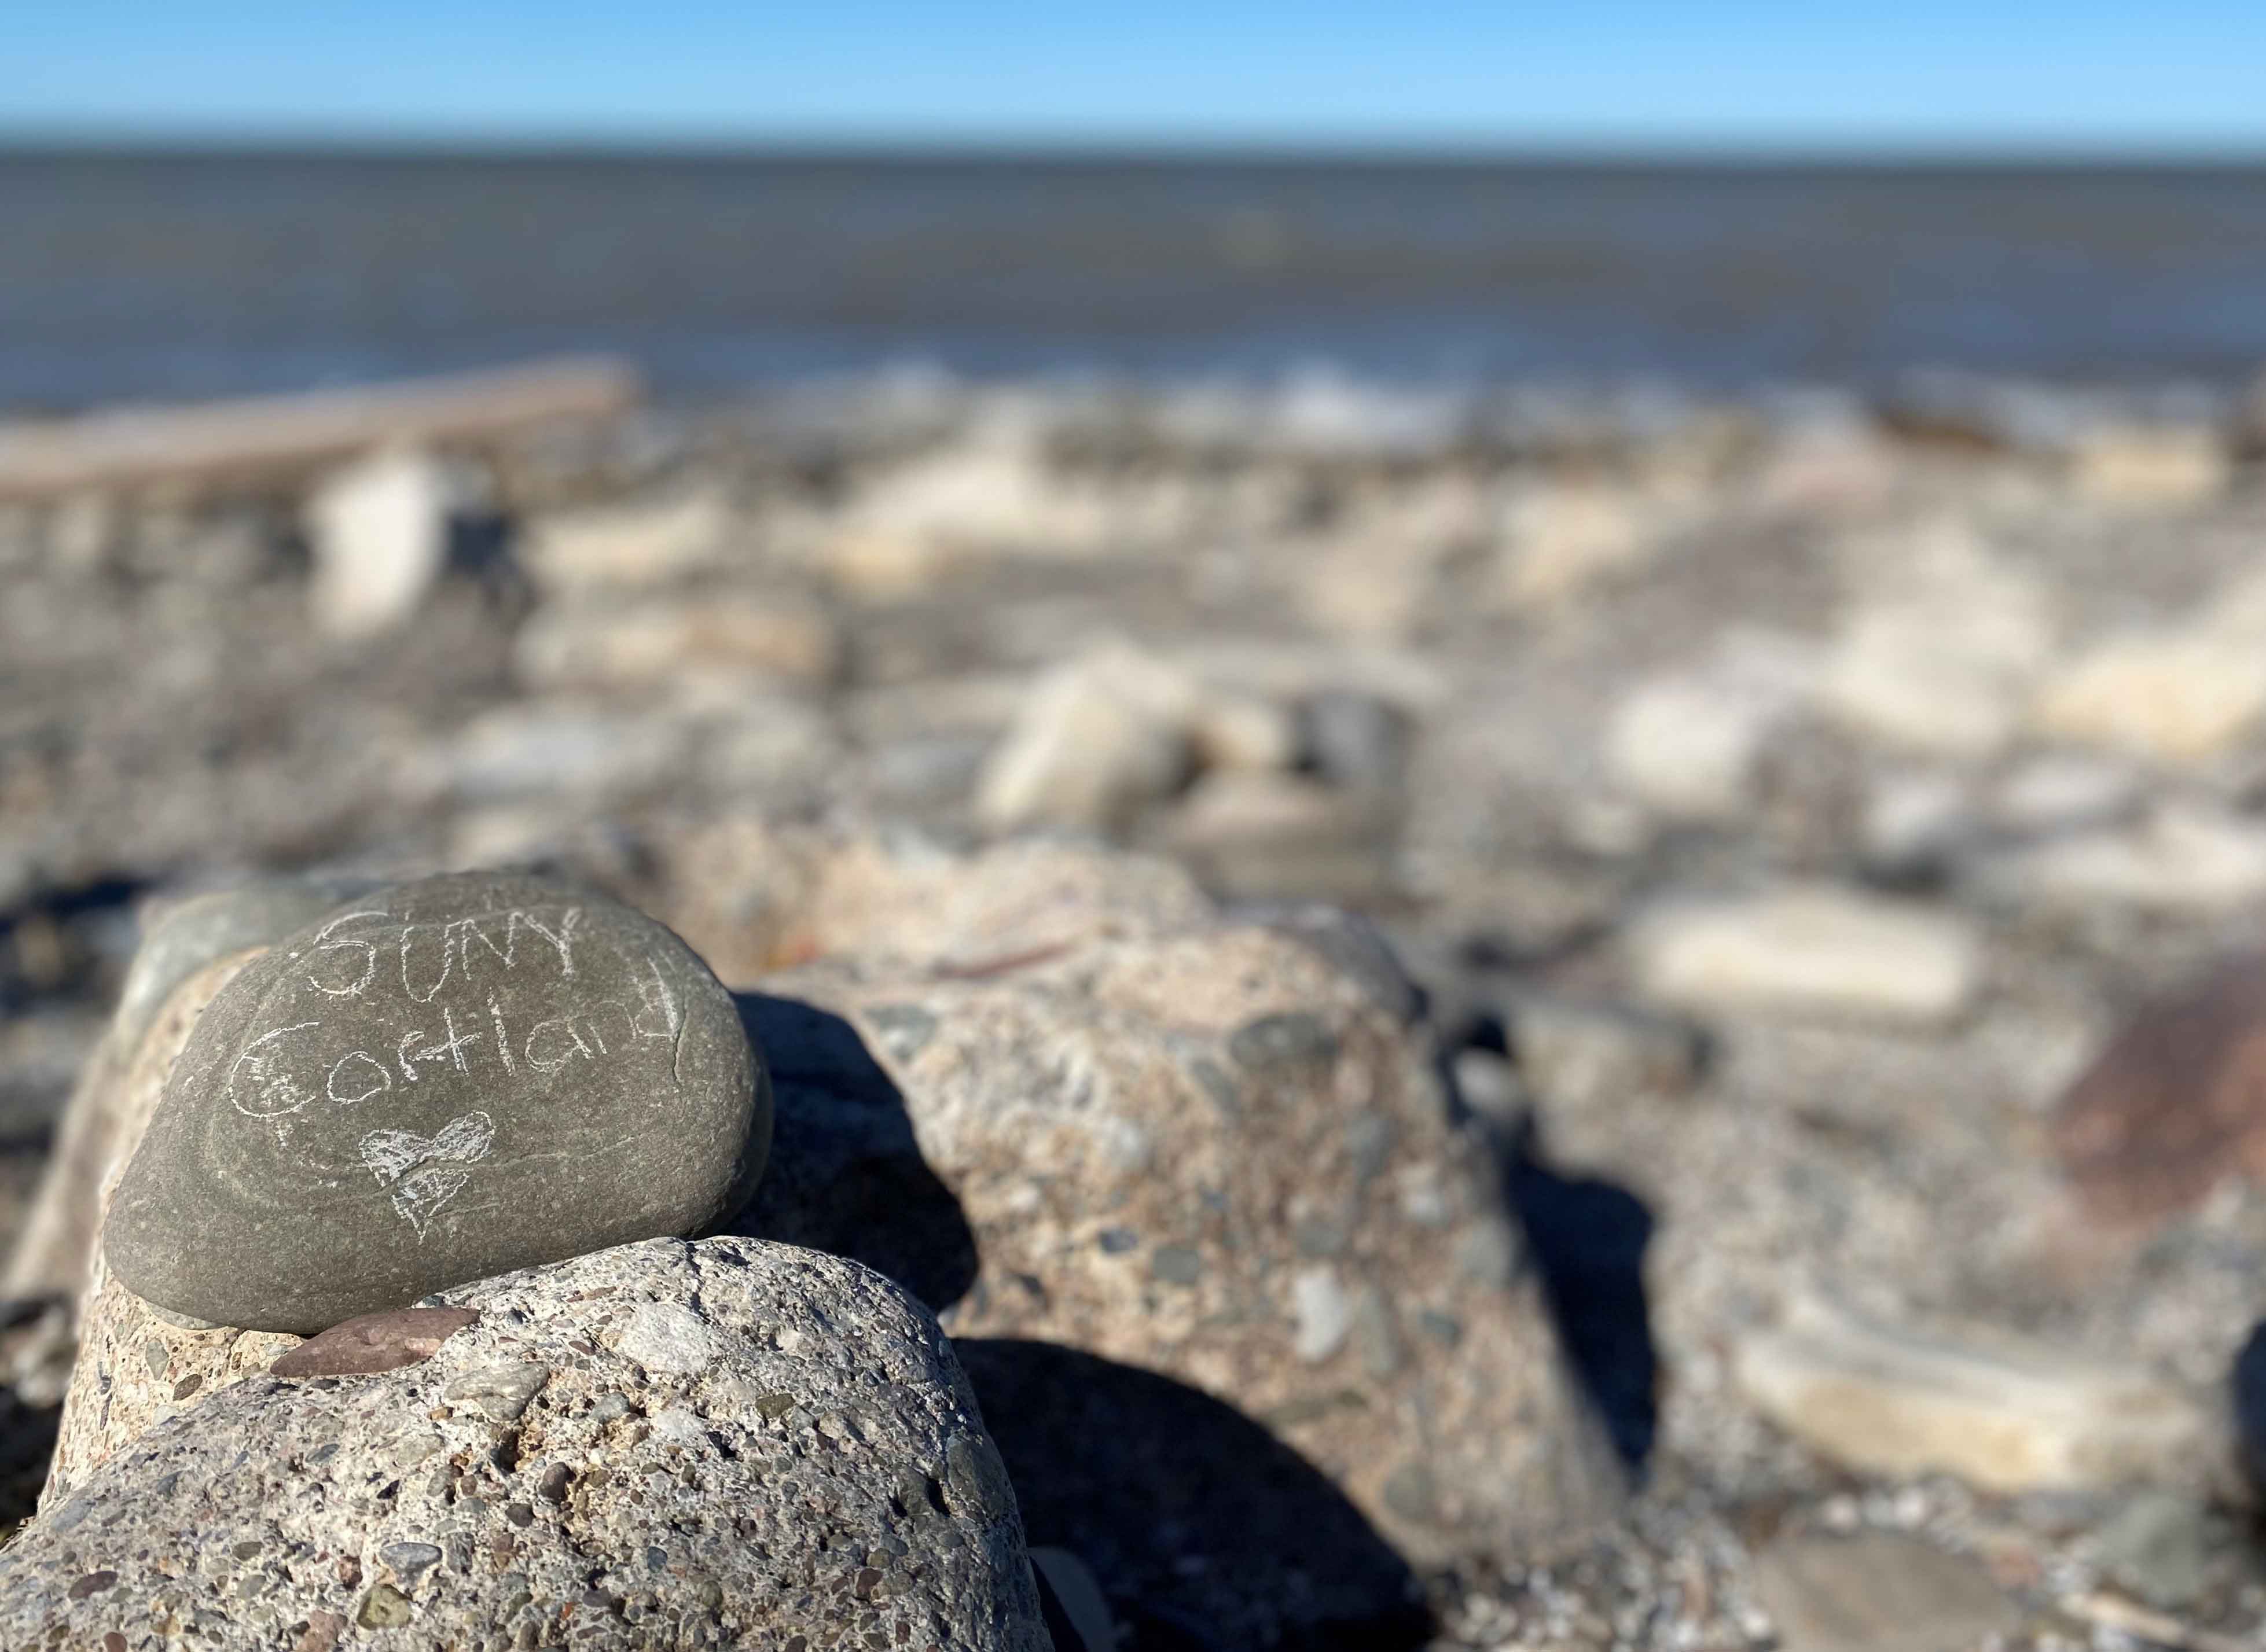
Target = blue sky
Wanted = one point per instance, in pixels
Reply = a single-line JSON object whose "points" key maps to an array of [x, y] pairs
{"points": [[2185, 76]]}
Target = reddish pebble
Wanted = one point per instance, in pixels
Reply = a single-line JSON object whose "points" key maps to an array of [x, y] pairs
{"points": [[371, 1343], [2176, 1102], [322, 1633]]}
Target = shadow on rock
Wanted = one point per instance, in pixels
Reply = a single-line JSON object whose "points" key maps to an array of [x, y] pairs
{"points": [[1204, 1529], [846, 1175], [1590, 1238], [27, 1440]]}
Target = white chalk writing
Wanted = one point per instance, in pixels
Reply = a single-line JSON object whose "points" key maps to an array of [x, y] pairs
{"points": [[423, 1173], [353, 988], [274, 1090], [523, 1024], [354, 968], [354, 1075], [459, 934]]}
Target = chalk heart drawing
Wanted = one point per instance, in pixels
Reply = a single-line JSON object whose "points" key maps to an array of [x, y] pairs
{"points": [[426, 1172]]}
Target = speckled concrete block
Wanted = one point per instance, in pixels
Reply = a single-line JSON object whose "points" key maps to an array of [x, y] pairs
{"points": [[669, 1445], [1212, 1156]]}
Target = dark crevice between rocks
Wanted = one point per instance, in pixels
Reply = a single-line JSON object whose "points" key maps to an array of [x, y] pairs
{"points": [[27, 1440], [2247, 1383]]}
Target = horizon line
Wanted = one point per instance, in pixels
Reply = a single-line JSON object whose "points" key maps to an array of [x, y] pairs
{"points": [[1975, 152]]}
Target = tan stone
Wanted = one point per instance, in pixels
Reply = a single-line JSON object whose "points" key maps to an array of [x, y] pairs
{"points": [[908, 525], [1238, 730], [1363, 590], [875, 565], [1878, 1591], [757, 898], [2005, 1414], [2178, 696], [2191, 859], [1839, 470], [1808, 949], [1562, 539], [2143, 467], [1259, 836], [1939, 657], [662, 640], [629, 546], [954, 914]]}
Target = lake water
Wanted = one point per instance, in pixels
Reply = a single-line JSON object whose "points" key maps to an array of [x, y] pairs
{"points": [[174, 275]]}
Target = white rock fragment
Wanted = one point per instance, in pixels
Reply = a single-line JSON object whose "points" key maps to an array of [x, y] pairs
{"points": [[993, 495], [1562, 539], [2007, 1415], [639, 544], [1808, 950], [994, 489], [1942, 659], [1096, 739], [1324, 1314], [1239, 730], [2146, 467], [1491, 1086], [378, 529], [1688, 747], [664, 1336], [2189, 858], [85, 530], [730, 637], [1913, 818], [500, 1393], [2174, 696], [2057, 790]]}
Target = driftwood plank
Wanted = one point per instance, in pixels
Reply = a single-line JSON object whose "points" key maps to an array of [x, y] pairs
{"points": [[259, 435]]}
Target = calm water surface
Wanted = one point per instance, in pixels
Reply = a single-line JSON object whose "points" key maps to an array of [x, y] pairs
{"points": [[124, 276]]}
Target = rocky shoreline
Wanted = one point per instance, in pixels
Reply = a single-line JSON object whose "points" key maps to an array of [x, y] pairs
{"points": [[1406, 955]]}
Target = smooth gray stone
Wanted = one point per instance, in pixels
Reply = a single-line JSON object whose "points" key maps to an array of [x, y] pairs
{"points": [[437, 1083]]}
